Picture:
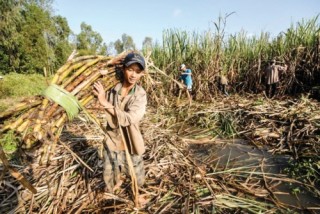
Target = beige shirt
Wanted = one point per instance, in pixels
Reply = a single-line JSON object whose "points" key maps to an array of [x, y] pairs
{"points": [[223, 80], [130, 111], [272, 73]]}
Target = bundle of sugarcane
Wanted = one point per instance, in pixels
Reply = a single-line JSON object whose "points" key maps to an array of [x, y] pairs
{"points": [[41, 119]]}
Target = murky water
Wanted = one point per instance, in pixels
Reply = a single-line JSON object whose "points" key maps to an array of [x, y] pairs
{"points": [[238, 155]]}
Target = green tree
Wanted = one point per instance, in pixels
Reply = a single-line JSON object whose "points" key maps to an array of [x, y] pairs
{"points": [[118, 45], [62, 46], [36, 39], [147, 44], [126, 43], [89, 41], [9, 22], [31, 38]]}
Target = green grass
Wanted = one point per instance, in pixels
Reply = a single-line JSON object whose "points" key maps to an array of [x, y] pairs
{"points": [[14, 87], [21, 85], [9, 142]]}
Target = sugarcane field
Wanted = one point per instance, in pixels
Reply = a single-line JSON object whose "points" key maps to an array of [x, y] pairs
{"points": [[234, 140]]}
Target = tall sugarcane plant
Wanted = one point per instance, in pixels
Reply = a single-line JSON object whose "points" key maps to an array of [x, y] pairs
{"points": [[242, 57]]}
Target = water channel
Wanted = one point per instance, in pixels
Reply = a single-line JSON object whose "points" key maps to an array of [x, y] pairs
{"points": [[237, 157]]}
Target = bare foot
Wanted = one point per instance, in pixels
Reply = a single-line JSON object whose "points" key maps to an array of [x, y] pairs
{"points": [[143, 200], [118, 184]]}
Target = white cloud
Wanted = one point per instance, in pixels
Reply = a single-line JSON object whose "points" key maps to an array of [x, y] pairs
{"points": [[177, 12]]}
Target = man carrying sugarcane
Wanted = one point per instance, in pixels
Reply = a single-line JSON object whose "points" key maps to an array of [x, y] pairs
{"points": [[125, 105], [272, 77]]}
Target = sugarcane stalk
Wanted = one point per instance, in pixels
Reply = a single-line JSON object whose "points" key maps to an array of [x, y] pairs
{"points": [[59, 122], [109, 82], [80, 70], [74, 61], [59, 131], [60, 70], [23, 126], [82, 58], [84, 101], [13, 125], [18, 122], [65, 71], [85, 66], [44, 153], [16, 174], [81, 78], [20, 107], [69, 88], [57, 112], [51, 110], [75, 83], [88, 81], [43, 107], [28, 142]]}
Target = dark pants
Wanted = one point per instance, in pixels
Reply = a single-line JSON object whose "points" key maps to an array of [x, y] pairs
{"points": [[271, 89], [115, 164], [223, 89]]}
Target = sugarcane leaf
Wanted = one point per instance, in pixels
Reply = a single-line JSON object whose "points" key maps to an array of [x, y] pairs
{"points": [[66, 100]]}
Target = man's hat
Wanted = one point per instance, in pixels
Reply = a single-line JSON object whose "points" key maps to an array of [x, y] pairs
{"points": [[132, 58], [182, 66]]}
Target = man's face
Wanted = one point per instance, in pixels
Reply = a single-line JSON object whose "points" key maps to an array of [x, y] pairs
{"points": [[132, 74]]}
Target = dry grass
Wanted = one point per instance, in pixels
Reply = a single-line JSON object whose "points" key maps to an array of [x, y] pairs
{"points": [[180, 179]]}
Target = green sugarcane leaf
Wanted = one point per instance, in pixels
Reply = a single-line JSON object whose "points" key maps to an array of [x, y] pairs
{"points": [[66, 100]]}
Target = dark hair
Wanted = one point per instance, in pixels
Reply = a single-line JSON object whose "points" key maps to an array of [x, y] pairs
{"points": [[120, 73]]}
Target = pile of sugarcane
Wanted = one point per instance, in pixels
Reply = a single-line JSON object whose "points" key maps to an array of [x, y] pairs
{"points": [[41, 119]]}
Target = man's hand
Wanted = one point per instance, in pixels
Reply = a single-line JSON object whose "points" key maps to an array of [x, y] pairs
{"points": [[101, 94], [103, 72]]}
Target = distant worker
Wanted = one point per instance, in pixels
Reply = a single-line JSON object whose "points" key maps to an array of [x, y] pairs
{"points": [[222, 83], [272, 77], [1, 77], [185, 76]]}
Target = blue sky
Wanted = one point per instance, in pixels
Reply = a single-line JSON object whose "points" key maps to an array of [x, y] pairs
{"points": [[141, 18]]}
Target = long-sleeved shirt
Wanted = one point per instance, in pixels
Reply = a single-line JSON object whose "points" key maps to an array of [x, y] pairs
{"points": [[130, 111], [272, 73]]}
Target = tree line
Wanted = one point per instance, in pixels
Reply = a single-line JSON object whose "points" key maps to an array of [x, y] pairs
{"points": [[35, 40]]}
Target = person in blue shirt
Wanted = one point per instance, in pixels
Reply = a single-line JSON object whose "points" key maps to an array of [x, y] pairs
{"points": [[186, 77]]}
